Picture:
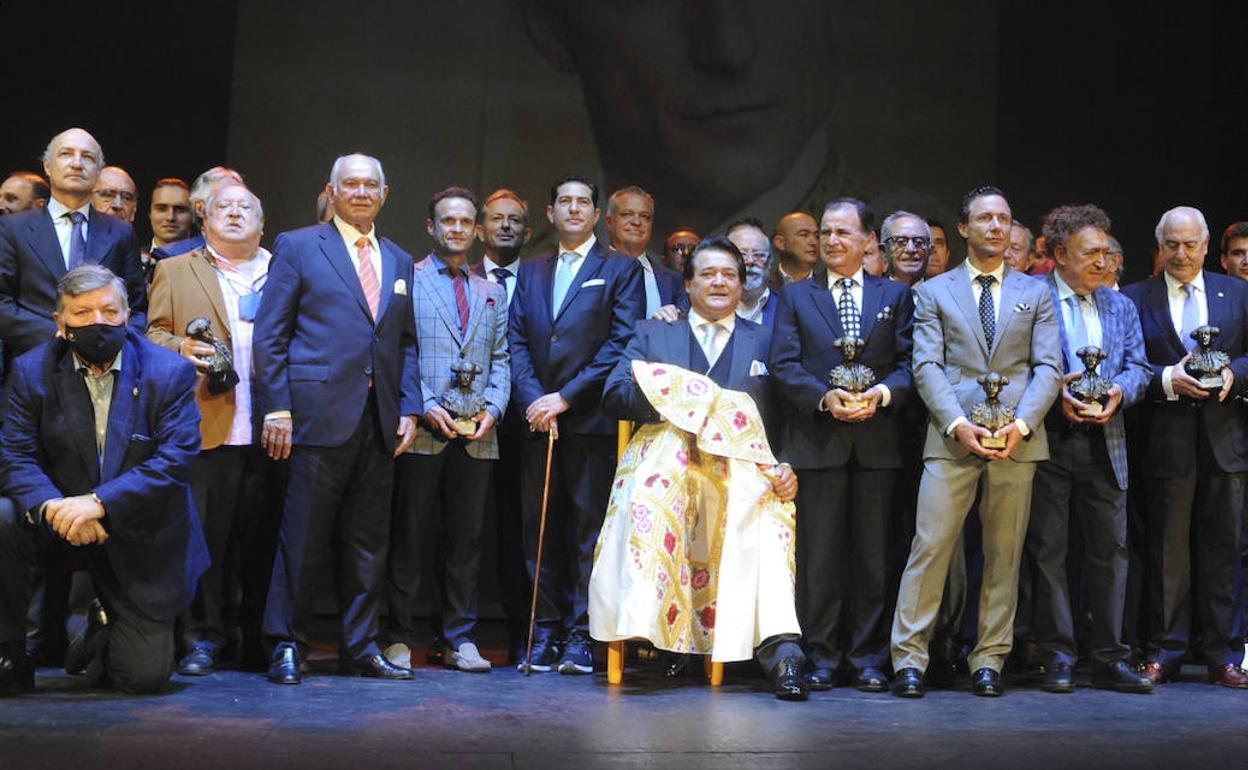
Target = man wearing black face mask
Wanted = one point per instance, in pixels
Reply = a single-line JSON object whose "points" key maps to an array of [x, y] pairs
{"points": [[100, 432]]}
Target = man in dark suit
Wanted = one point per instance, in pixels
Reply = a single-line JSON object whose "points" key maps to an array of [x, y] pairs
{"points": [[1194, 452], [337, 378], [758, 300], [1085, 478], [630, 223], [844, 446], [731, 351], [100, 433], [39, 246], [571, 317]]}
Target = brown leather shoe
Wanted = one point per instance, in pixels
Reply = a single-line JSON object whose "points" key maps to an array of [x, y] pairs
{"points": [[1229, 675], [1156, 673]]}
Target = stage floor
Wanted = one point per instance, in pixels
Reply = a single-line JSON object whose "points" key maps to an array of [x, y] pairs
{"points": [[448, 719]]}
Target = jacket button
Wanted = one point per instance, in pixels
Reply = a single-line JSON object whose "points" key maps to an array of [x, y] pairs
{"points": [[368, 371], [554, 338]]}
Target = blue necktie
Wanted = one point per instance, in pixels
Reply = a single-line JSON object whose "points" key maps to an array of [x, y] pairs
{"points": [[563, 280], [987, 310], [77, 243], [1191, 317], [850, 322], [1076, 331]]}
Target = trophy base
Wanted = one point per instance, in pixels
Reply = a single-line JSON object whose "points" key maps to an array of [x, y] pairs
{"points": [[858, 403], [1092, 410], [465, 427], [1212, 384], [992, 442]]}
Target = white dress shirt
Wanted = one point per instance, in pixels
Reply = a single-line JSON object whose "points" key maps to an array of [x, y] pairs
{"points": [[65, 228], [509, 284], [1175, 297], [236, 281], [977, 290], [574, 264], [754, 313], [723, 332], [1088, 311]]}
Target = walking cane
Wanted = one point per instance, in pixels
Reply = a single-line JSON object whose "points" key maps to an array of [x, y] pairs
{"points": [[541, 535]]}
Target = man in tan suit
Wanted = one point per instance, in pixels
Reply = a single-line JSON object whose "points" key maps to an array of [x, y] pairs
{"points": [[235, 486]]}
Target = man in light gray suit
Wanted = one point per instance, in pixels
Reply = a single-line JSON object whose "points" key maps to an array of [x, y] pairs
{"points": [[977, 318], [441, 483]]}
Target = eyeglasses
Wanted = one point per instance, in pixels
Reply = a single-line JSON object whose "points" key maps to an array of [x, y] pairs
{"points": [[756, 257], [109, 194], [900, 242]]}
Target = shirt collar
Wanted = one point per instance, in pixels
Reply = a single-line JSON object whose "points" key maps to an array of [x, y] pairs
{"points": [[834, 276], [490, 266], [998, 273], [351, 235], [583, 249], [729, 321], [226, 264], [1174, 287], [83, 366], [57, 209], [1063, 289], [646, 264]]}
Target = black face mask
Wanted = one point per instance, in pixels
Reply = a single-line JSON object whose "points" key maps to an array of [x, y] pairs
{"points": [[96, 344]]}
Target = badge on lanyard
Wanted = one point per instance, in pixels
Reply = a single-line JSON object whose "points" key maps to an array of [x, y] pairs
{"points": [[247, 306]]}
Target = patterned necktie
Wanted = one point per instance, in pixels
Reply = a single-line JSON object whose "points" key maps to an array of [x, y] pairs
{"points": [[1191, 317], [1077, 331], [850, 322], [563, 280], [987, 310], [368, 277], [77, 244], [461, 297], [710, 346], [501, 274]]}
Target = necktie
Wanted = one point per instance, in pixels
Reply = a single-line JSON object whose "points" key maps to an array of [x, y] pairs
{"points": [[653, 300], [501, 274], [850, 322], [368, 277], [77, 244], [461, 297], [987, 310], [563, 280], [1076, 331], [710, 343], [1191, 317]]}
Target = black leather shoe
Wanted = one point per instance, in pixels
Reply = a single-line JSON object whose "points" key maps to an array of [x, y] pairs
{"points": [[786, 680], [284, 669], [378, 667], [820, 678], [871, 679], [200, 661], [1121, 677], [675, 663], [17, 673], [1059, 678], [85, 648], [986, 683], [908, 683]]}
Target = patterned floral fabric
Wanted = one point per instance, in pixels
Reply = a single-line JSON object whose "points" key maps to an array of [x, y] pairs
{"points": [[696, 551]]}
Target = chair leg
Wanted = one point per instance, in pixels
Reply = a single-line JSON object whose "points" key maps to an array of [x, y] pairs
{"points": [[615, 662], [714, 671]]}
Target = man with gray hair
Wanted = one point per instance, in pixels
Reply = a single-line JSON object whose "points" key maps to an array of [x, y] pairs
{"points": [[1113, 276], [1019, 249], [630, 223], [1193, 448], [97, 449], [757, 301], [205, 185], [906, 241]]}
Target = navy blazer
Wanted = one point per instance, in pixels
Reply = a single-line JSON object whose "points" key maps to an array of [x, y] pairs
{"points": [[155, 546], [802, 356], [316, 346], [1172, 428], [671, 285], [31, 263], [572, 351], [661, 342], [1125, 365]]}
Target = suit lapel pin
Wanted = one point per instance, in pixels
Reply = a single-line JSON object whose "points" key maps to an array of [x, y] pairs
{"points": [[1220, 294], [135, 392]]}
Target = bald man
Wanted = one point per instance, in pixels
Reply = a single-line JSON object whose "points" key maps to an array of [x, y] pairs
{"points": [[796, 243], [115, 194]]}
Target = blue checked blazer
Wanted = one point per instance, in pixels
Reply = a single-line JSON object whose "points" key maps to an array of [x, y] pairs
{"points": [[1126, 365], [441, 344]]}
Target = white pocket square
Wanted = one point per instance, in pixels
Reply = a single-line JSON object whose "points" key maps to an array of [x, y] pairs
{"points": [[1022, 307], [758, 369], [400, 287], [593, 282]]}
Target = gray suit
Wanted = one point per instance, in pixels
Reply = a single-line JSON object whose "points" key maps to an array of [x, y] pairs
{"points": [[950, 354]]}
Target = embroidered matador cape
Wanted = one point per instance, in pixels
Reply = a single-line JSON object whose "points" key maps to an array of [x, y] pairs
{"points": [[696, 551]]}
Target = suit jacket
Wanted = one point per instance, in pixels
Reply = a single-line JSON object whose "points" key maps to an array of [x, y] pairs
{"points": [[1125, 365], [807, 320], [671, 285], [31, 263], [316, 347], [661, 342], [1173, 426], [574, 349], [442, 344], [951, 354], [178, 248], [184, 288], [155, 547]]}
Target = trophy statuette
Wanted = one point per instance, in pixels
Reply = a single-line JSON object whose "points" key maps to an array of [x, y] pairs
{"points": [[849, 375], [220, 376], [463, 404], [1090, 387], [1205, 363], [991, 413]]}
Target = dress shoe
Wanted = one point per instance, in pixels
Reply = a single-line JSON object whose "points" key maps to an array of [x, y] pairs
{"points": [[1121, 677], [377, 667], [675, 663], [17, 673], [908, 683], [200, 661], [786, 680], [986, 683], [1156, 672], [820, 678], [542, 657], [1059, 678], [1229, 675], [284, 669], [466, 657], [871, 679], [578, 656], [84, 649], [398, 654]]}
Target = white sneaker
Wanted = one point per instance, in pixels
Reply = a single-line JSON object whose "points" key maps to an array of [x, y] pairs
{"points": [[467, 658], [399, 654], [1244, 663]]}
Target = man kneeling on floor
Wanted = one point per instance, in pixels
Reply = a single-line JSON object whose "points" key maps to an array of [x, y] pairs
{"points": [[696, 551], [100, 431]]}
